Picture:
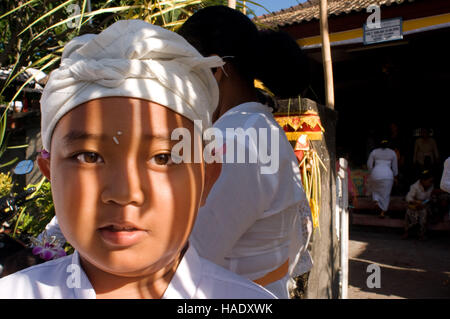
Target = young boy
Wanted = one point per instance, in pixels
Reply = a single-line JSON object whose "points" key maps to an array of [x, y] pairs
{"points": [[121, 200]]}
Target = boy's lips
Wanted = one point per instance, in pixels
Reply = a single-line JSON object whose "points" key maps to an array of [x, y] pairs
{"points": [[117, 226], [121, 234]]}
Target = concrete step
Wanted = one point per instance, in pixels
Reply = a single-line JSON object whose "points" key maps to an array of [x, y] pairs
{"points": [[397, 203], [374, 220]]}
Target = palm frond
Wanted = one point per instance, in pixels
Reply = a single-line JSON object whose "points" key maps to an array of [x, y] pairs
{"points": [[60, 7], [31, 78], [18, 8]]}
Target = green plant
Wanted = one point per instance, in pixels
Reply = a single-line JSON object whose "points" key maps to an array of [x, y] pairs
{"points": [[35, 214], [6, 184]]}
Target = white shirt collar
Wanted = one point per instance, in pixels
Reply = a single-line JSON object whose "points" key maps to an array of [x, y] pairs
{"points": [[84, 290], [183, 285], [247, 107], [186, 279]]}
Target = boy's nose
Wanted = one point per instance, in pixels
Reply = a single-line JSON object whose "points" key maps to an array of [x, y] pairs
{"points": [[125, 188]]}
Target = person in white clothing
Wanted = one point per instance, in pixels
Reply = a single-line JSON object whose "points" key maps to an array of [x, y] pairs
{"points": [[445, 179], [382, 165], [418, 199], [256, 220], [65, 278], [120, 194]]}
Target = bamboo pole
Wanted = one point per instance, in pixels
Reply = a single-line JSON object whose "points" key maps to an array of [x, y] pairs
{"points": [[232, 4], [326, 55]]}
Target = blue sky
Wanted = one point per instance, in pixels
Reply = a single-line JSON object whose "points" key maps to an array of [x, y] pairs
{"points": [[274, 5]]}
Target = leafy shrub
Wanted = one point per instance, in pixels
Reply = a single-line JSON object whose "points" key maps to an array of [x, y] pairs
{"points": [[6, 184]]}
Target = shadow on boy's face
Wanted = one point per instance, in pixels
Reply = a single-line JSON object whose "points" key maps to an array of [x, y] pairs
{"points": [[120, 201]]}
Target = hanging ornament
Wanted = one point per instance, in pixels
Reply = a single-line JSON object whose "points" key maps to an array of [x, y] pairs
{"points": [[301, 146], [309, 165], [299, 123]]}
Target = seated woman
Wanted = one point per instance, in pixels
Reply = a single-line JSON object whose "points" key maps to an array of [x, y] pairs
{"points": [[418, 198]]}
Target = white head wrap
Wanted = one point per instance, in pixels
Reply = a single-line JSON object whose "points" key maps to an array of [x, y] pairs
{"points": [[131, 58]]}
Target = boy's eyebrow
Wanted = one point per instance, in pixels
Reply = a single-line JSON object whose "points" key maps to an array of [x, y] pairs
{"points": [[73, 136]]}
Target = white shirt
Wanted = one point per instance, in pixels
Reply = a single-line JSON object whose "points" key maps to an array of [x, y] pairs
{"points": [[63, 278], [445, 180], [382, 164], [253, 222], [416, 192]]}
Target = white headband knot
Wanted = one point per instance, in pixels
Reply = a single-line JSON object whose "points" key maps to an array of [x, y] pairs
{"points": [[131, 58]]}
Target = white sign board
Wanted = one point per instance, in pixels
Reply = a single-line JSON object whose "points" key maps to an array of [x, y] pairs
{"points": [[389, 30]]}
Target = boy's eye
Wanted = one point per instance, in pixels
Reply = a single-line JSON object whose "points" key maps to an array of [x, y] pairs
{"points": [[161, 159], [89, 157]]}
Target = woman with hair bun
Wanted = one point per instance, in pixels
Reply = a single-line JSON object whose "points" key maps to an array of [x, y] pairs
{"points": [[254, 223], [383, 169]]}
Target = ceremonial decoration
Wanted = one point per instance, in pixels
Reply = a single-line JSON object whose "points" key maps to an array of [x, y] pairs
{"points": [[301, 127], [309, 164], [300, 122], [306, 123]]}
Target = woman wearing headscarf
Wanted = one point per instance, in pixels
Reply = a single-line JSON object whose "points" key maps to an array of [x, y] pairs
{"points": [[256, 220], [382, 165]]}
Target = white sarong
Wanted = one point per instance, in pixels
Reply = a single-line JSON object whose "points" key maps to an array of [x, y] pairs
{"points": [[381, 192]]}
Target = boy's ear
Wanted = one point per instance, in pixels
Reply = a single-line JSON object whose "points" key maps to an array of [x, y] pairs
{"points": [[44, 166], [212, 173], [218, 74]]}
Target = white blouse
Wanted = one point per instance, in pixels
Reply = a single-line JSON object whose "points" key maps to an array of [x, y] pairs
{"points": [[417, 192], [64, 278], [382, 164]]}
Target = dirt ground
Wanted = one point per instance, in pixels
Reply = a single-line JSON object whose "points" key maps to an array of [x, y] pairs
{"points": [[409, 269]]}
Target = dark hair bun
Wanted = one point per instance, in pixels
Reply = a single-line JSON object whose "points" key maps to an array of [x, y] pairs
{"points": [[425, 174], [272, 57], [282, 65]]}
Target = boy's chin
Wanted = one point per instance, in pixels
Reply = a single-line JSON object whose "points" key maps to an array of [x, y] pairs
{"points": [[130, 264]]}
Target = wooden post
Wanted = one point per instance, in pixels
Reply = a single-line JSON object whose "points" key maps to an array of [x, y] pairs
{"points": [[342, 210], [232, 4], [326, 55]]}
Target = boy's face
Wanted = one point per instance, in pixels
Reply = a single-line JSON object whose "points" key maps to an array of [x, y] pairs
{"points": [[120, 201]]}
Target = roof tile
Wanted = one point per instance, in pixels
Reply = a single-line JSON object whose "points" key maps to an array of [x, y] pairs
{"points": [[309, 10]]}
